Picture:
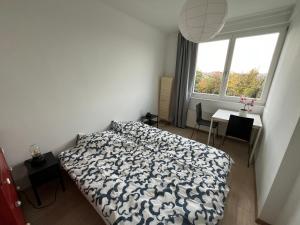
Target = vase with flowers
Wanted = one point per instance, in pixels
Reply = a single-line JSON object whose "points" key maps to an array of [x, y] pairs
{"points": [[247, 105]]}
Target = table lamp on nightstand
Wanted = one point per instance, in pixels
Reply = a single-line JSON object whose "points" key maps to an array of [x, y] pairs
{"points": [[37, 158]]}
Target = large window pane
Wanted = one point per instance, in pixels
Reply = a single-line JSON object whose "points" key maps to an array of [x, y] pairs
{"points": [[210, 66], [250, 65]]}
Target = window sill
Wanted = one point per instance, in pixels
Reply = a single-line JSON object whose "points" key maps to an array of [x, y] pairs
{"points": [[218, 98], [212, 105]]}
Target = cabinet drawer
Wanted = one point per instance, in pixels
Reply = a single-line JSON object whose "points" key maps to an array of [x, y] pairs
{"points": [[10, 211]]}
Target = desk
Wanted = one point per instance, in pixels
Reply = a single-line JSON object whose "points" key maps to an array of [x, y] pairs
{"points": [[223, 115]]}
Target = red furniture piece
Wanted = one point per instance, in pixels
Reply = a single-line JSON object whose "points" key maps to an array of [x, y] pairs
{"points": [[10, 211]]}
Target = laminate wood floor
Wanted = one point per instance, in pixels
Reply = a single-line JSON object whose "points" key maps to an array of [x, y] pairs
{"points": [[71, 207]]}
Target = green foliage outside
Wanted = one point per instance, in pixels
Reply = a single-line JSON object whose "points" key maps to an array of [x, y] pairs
{"points": [[247, 84]]}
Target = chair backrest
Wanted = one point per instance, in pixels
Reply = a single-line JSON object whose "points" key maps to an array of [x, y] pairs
{"points": [[240, 127], [198, 112]]}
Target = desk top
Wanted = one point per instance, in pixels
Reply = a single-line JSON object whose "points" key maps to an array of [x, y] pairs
{"points": [[223, 115]]}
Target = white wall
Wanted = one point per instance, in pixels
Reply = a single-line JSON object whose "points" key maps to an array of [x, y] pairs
{"points": [[280, 117], [283, 183], [171, 53], [72, 66], [284, 197], [290, 214]]}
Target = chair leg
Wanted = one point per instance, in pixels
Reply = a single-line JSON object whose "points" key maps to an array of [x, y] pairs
{"points": [[215, 133], [223, 141], [198, 129], [249, 148], [249, 153], [213, 137], [193, 131]]}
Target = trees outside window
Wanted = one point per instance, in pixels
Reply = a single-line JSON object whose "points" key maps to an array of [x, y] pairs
{"points": [[210, 66], [208, 83], [245, 84]]}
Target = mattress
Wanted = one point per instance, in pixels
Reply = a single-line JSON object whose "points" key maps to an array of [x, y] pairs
{"points": [[137, 174]]}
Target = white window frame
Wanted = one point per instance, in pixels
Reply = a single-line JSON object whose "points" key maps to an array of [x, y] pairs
{"points": [[282, 30]]}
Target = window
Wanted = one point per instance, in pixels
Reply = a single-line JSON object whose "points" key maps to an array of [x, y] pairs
{"points": [[210, 66], [250, 65], [238, 65]]}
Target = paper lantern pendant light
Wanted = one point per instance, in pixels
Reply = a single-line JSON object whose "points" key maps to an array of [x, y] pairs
{"points": [[201, 20]]}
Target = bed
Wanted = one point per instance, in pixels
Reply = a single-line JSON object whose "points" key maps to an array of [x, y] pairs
{"points": [[137, 174]]}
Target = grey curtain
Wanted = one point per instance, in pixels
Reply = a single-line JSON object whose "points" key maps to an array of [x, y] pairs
{"points": [[184, 77]]}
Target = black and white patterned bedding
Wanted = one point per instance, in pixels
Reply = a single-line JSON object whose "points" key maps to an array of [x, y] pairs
{"points": [[137, 174]]}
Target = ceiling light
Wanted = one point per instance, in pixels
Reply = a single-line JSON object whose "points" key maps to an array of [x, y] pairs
{"points": [[201, 20]]}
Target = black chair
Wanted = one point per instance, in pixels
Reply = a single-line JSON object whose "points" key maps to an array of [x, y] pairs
{"points": [[201, 122], [240, 128]]}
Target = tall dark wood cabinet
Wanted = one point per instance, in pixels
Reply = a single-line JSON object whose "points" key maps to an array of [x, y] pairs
{"points": [[10, 211]]}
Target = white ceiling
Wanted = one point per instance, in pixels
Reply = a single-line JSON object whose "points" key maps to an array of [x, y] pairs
{"points": [[163, 14]]}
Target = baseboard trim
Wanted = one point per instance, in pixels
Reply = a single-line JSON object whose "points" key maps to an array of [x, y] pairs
{"points": [[261, 222]]}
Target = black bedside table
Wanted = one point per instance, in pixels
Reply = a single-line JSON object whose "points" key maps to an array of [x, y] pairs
{"points": [[38, 175], [150, 119]]}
